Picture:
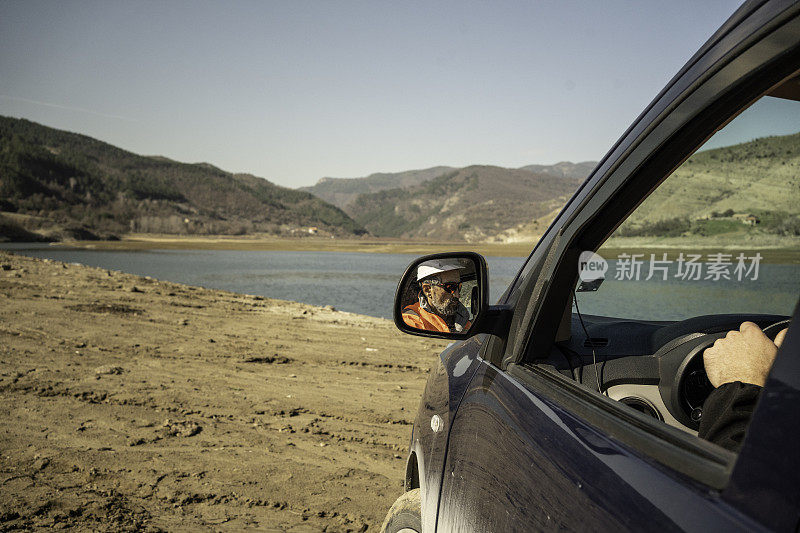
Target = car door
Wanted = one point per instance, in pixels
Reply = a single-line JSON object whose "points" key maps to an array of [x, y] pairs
{"points": [[531, 449], [519, 461]]}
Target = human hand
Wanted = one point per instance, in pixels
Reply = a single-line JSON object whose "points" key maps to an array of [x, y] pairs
{"points": [[745, 355], [780, 336]]}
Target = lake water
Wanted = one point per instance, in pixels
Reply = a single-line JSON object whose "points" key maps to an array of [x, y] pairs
{"points": [[365, 282], [774, 291], [358, 282]]}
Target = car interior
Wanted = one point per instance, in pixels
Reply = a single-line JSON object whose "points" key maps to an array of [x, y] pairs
{"points": [[654, 367]]}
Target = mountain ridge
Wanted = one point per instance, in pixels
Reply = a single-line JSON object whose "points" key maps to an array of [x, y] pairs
{"points": [[566, 169], [342, 192], [474, 204]]}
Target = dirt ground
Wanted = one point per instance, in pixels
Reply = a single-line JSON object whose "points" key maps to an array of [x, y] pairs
{"points": [[134, 404]]}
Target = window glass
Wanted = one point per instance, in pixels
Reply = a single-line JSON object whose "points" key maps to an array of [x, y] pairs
{"points": [[720, 235]]}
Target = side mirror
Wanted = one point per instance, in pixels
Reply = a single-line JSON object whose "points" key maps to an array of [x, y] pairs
{"points": [[442, 295]]}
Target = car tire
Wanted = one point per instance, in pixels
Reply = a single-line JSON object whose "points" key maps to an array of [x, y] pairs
{"points": [[405, 516]]}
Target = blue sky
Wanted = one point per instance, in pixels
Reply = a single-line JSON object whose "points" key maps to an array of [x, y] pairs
{"points": [[294, 91]]}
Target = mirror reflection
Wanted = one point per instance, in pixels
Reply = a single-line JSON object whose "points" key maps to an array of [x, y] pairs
{"points": [[442, 295]]}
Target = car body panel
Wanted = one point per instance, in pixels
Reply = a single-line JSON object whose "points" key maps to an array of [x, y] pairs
{"points": [[551, 470], [765, 481], [443, 391]]}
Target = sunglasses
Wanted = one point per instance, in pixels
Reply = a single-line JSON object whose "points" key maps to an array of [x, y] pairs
{"points": [[453, 286]]}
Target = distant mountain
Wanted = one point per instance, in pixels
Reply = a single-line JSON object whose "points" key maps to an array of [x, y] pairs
{"points": [[62, 184], [475, 203], [564, 169], [342, 191]]}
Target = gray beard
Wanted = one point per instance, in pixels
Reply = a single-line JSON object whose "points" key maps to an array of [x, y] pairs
{"points": [[447, 310]]}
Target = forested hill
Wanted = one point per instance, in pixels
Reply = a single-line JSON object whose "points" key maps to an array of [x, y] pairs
{"points": [[58, 184]]}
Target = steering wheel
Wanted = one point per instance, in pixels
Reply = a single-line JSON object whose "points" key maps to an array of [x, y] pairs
{"points": [[686, 386]]}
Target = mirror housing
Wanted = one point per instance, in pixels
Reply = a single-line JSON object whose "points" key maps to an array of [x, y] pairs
{"points": [[427, 303]]}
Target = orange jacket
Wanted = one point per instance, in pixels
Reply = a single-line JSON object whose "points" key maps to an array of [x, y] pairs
{"points": [[417, 317]]}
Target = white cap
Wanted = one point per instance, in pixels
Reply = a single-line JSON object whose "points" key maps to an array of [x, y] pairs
{"points": [[437, 266]]}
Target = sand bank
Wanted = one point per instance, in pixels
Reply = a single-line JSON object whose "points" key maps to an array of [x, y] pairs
{"points": [[776, 249], [135, 404], [305, 244]]}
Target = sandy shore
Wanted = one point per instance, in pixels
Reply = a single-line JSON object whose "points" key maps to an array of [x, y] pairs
{"points": [[775, 249], [134, 404], [305, 244]]}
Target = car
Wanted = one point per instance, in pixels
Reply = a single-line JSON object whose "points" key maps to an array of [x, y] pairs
{"points": [[574, 401]]}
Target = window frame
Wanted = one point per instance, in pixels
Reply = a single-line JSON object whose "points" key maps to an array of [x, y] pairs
{"points": [[613, 200]]}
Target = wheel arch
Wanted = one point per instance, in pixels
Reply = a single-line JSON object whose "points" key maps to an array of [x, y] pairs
{"points": [[412, 472]]}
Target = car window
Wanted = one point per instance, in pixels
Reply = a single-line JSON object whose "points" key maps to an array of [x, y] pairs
{"points": [[720, 235], [717, 243]]}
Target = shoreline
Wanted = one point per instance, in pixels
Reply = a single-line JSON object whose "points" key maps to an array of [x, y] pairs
{"points": [[785, 250], [137, 403], [306, 244]]}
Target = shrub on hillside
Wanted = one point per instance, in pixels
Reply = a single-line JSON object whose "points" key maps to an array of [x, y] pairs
{"points": [[671, 227]]}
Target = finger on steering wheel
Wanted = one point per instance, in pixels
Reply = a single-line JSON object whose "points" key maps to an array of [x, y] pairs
{"points": [[780, 336]]}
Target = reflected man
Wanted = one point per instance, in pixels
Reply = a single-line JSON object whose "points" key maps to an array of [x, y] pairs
{"points": [[438, 307]]}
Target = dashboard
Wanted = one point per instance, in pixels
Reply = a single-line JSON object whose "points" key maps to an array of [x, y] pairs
{"points": [[654, 367]]}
